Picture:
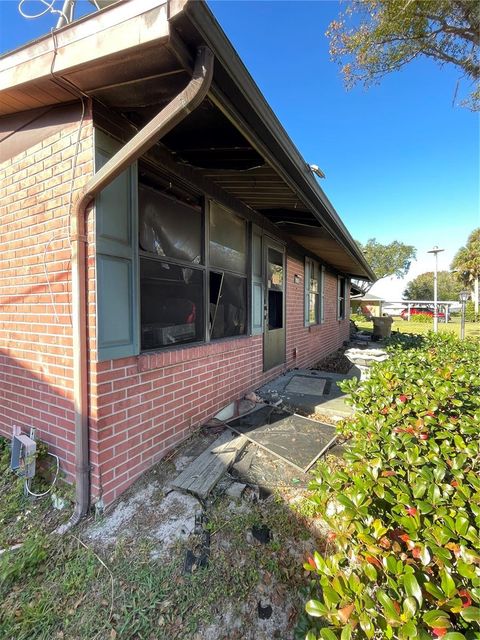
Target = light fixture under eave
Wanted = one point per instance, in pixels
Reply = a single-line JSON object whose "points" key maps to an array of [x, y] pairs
{"points": [[314, 168]]}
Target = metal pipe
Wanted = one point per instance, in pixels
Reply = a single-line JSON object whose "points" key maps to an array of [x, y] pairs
{"points": [[66, 13], [435, 251], [184, 103]]}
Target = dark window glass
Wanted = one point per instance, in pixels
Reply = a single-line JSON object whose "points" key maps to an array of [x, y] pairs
{"points": [[275, 309], [169, 228], [171, 304], [228, 305]]}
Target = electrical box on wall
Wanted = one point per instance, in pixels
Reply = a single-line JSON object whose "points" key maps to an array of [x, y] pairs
{"points": [[23, 456]]}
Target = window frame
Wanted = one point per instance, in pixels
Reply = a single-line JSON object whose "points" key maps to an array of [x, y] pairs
{"points": [[319, 273], [213, 268], [342, 289], [206, 268]]}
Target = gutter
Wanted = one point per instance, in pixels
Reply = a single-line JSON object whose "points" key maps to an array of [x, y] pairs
{"points": [[183, 104]]}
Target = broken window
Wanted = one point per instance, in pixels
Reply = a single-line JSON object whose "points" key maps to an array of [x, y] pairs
{"points": [[228, 273], [172, 289], [172, 310], [228, 304]]}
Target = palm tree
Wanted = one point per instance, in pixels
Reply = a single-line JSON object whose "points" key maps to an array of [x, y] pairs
{"points": [[467, 264]]}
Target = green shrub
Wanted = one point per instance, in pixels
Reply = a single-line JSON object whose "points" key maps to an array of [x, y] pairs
{"points": [[470, 315], [403, 510]]}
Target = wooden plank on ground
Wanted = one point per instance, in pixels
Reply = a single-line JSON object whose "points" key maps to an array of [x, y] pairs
{"points": [[203, 473]]}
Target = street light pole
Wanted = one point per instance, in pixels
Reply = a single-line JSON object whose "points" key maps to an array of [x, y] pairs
{"points": [[436, 251]]}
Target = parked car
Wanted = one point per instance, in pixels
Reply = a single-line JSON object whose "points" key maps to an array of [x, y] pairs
{"points": [[421, 311]]}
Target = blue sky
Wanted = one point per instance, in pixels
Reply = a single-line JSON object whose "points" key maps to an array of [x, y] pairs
{"points": [[401, 162]]}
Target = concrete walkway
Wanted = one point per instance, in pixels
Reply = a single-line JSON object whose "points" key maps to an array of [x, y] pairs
{"points": [[310, 391]]}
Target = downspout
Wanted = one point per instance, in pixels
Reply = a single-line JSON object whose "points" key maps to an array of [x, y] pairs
{"points": [[183, 104]]}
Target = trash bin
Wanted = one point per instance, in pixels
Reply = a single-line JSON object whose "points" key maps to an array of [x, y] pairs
{"points": [[382, 327]]}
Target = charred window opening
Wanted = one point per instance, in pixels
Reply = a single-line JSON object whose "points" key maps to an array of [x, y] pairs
{"points": [[172, 280], [169, 228], [228, 276], [228, 302], [171, 304], [193, 275]]}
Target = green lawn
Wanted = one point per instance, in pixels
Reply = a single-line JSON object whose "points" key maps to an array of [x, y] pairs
{"points": [[472, 329]]}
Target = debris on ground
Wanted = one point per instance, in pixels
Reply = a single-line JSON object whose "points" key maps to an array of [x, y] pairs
{"points": [[203, 473], [336, 362]]}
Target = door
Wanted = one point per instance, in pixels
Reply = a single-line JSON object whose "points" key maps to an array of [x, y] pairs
{"points": [[274, 310]]}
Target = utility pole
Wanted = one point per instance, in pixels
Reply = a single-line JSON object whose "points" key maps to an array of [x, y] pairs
{"points": [[435, 251]]}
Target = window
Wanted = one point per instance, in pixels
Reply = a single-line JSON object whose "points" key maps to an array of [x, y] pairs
{"points": [[168, 227], [227, 273], [190, 290], [172, 271], [342, 297], [228, 240], [228, 304], [314, 292], [171, 304], [168, 271]]}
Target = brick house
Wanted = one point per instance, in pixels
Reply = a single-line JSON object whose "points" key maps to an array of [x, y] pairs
{"points": [[164, 247]]}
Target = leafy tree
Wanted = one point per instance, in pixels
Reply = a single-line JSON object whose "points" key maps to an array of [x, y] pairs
{"points": [[392, 259], [421, 287], [467, 264], [374, 37]]}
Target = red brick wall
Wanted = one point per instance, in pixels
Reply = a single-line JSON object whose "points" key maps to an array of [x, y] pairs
{"points": [[148, 404], [141, 406], [314, 342], [35, 283]]}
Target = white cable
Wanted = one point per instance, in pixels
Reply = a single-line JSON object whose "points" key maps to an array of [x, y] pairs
{"points": [[40, 495], [49, 7]]}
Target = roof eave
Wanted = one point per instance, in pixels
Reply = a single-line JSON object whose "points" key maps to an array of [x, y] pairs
{"points": [[288, 161]]}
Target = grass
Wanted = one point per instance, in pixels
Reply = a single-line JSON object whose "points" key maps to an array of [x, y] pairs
{"points": [[61, 588], [472, 329]]}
